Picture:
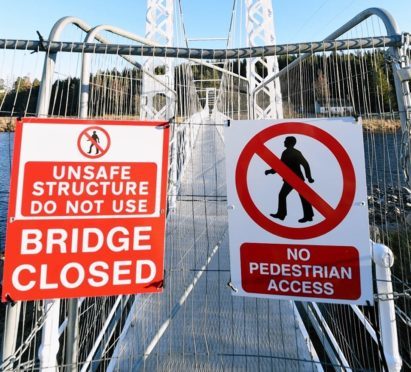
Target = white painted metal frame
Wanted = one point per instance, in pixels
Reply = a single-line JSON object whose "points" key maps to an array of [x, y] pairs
{"points": [[160, 30], [50, 62], [384, 259], [10, 333], [50, 336], [260, 31], [85, 69]]}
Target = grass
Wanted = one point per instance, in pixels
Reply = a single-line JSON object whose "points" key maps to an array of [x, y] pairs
{"points": [[7, 124], [380, 125]]}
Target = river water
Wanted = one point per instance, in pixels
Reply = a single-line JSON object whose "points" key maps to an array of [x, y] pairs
{"points": [[6, 150], [382, 152]]}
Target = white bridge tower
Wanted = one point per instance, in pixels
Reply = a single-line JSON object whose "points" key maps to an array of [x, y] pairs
{"points": [[158, 95], [267, 103]]}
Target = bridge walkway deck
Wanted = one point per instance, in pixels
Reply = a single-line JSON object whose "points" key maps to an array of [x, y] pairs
{"points": [[196, 324]]}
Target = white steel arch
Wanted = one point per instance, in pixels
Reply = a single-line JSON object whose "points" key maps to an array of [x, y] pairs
{"points": [[156, 101], [260, 31]]}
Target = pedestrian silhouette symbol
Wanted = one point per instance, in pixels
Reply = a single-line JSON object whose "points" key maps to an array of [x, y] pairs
{"points": [[93, 142], [94, 139], [294, 160]]}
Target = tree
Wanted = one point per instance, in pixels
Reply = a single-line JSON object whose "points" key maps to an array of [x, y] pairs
{"points": [[321, 88], [22, 84]]}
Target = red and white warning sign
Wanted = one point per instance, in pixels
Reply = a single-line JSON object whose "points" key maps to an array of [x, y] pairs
{"points": [[298, 217], [87, 209]]}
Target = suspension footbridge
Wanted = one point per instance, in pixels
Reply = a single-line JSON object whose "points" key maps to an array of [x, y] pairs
{"points": [[360, 72]]}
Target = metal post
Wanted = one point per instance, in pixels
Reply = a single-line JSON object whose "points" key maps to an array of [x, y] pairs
{"points": [[260, 31], [43, 101], [46, 85], [384, 259], [72, 335], [42, 111], [10, 334], [157, 102], [50, 336], [173, 170]]}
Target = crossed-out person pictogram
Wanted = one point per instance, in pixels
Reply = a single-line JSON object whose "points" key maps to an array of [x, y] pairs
{"points": [[294, 180], [294, 160], [93, 142]]}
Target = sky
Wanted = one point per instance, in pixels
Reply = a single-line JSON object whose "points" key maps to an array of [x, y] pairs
{"points": [[295, 20]]}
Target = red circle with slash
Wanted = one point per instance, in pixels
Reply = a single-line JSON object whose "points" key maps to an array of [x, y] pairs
{"points": [[87, 135], [332, 216]]}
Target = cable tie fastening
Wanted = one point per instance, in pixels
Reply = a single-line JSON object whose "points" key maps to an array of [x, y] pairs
{"points": [[231, 286], [42, 45], [10, 300]]}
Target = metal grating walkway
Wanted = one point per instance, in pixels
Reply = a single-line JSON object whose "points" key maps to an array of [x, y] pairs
{"points": [[196, 324]]}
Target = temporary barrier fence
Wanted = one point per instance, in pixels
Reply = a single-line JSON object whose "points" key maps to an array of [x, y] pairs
{"points": [[352, 73]]}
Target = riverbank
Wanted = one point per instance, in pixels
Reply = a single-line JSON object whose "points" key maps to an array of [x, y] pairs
{"points": [[8, 124], [381, 125]]}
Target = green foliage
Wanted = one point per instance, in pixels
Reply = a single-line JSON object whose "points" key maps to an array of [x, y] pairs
{"points": [[364, 79], [21, 99]]}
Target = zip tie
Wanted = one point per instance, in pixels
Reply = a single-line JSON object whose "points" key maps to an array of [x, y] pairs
{"points": [[42, 45], [231, 286], [165, 125], [10, 300]]}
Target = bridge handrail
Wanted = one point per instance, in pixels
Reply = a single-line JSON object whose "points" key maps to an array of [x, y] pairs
{"points": [[211, 54], [388, 20]]}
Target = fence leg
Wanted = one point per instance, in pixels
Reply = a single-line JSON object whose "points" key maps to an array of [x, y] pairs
{"points": [[384, 259], [10, 333], [72, 335], [173, 170], [50, 336]]}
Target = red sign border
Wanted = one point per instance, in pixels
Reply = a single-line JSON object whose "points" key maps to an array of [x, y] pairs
{"points": [[18, 135], [288, 128]]}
